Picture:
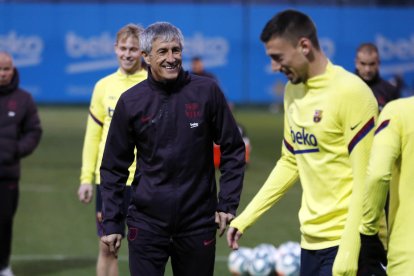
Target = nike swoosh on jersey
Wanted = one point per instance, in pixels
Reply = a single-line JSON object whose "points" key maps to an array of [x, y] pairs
{"points": [[355, 126]]}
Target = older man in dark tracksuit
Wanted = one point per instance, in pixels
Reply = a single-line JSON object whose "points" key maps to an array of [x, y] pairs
{"points": [[172, 119]]}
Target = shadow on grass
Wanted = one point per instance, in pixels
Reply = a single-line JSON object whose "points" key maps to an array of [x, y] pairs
{"points": [[47, 267]]}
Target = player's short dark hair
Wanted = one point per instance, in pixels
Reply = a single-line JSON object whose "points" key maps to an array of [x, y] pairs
{"points": [[291, 25]]}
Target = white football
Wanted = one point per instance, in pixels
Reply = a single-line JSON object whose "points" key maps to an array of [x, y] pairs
{"points": [[239, 261], [288, 259], [263, 260]]}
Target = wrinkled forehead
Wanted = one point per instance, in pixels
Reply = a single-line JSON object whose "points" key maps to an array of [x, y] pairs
{"points": [[163, 41]]}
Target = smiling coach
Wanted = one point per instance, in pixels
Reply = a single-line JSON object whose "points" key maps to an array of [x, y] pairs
{"points": [[172, 119]]}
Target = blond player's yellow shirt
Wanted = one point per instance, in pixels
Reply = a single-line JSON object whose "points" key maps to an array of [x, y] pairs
{"points": [[328, 131], [104, 98], [391, 166]]}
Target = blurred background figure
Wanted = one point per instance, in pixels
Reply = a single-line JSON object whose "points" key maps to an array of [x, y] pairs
{"points": [[20, 133], [403, 90], [104, 98], [197, 68], [367, 62]]}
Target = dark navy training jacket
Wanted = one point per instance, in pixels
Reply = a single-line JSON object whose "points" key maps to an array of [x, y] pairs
{"points": [[20, 129], [173, 127]]}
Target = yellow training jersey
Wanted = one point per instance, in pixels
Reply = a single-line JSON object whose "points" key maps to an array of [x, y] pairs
{"points": [[392, 167], [104, 98], [328, 130]]}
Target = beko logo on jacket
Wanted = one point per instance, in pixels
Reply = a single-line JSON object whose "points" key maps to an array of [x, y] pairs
{"points": [[303, 138]]}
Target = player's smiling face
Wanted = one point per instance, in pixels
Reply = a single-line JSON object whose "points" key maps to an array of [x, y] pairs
{"points": [[128, 55], [287, 59], [165, 60]]}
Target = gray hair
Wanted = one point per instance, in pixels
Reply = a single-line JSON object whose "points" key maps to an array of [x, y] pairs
{"points": [[160, 30]]}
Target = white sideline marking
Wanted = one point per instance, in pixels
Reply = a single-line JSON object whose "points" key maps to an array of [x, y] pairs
{"points": [[68, 258]]}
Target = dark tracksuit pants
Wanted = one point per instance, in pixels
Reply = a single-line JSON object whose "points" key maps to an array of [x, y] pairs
{"points": [[9, 197], [190, 255]]}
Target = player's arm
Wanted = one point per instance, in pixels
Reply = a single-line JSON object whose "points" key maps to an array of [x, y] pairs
{"points": [[117, 158], [357, 114], [385, 151], [282, 177], [232, 165], [92, 140]]}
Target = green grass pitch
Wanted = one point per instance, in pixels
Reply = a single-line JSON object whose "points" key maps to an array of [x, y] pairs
{"points": [[54, 234]]}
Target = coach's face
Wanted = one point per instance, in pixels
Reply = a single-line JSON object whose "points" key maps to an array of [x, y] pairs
{"points": [[288, 59], [165, 60]]}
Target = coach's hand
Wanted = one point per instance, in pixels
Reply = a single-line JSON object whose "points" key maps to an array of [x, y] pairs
{"points": [[113, 241], [85, 192], [233, 235], [222, 220]]}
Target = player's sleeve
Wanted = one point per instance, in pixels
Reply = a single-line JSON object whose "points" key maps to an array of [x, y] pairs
{"points": [[117, 158], [385, 151], [282, 177], [232, 164], [93, 135], [357, 114]]}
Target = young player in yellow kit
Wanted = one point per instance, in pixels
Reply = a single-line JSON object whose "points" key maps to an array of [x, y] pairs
{"points": [[105, 96], [391, 167], [328, 131]]}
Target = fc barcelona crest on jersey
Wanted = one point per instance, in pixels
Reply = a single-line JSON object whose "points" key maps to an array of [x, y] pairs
{"points": [[317, 116]]}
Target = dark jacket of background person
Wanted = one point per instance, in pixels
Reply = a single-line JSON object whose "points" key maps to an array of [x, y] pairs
{"points": [[20, 129], [383, 90], [173, 126]]}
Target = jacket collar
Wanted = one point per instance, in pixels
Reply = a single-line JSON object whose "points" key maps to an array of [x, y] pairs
{"points": [[170, 86]]}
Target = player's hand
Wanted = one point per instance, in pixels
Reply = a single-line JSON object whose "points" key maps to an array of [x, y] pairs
{"points": [[113, 241], [233, 235], [346, 262], [85, 192], [372, 256], [222, 220]]}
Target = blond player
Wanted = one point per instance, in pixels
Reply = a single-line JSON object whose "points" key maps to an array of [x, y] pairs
{"points": [[105, 96]]}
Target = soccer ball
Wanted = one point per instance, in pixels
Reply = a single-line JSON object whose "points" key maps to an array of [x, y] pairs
{"points": [[288, 259], [263, 260], [239, 261]]}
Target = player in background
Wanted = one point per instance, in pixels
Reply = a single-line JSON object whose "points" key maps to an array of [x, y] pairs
{"points": [[104, 98], [367, 63], [197, 68], [328, 130], [391, 167], [20, 133]]}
